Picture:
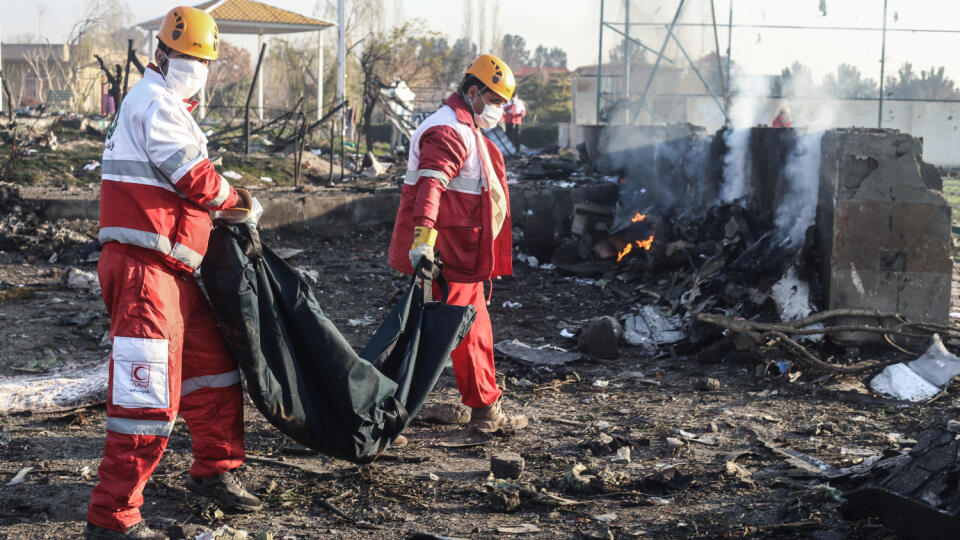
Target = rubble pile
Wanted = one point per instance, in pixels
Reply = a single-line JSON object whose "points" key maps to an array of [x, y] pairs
{"points": [[22, 228], [675, 248]]}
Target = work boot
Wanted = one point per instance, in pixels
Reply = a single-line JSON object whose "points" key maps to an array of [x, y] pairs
{"points": [[226, 489], [444, 413], [491, 419], [140, 531]]}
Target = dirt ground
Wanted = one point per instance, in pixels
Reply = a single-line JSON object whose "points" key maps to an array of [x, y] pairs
{"points": [[639, 400]]}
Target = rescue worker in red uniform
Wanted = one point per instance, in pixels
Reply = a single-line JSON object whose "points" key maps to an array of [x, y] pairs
{"points": [[454, 202], [157, 192], [783, 118], [513, 113]]}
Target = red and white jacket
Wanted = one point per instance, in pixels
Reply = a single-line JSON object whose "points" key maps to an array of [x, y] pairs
{"points": [[514, 111], [446, 188], [158, 186]]}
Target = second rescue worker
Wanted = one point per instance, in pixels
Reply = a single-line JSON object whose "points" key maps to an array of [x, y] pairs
{"points": [[454, 202]]}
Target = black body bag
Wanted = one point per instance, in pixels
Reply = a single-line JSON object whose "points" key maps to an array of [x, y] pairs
{"points": [[302, 374]]}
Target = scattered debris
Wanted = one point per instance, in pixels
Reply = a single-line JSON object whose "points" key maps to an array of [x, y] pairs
{"points": [[81, 279], [707, 384], [601, 338], [913, 494], [20, 476], [539, 356], [920, 379], [523, 528], [673, 443], [503, 497], [650, 328], [506, 465]]}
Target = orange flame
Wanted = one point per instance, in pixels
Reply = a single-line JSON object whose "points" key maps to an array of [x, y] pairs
{"points": [[642, 244]]}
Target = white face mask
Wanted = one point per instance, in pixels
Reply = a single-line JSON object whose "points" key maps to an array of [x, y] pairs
{"points": [[490, 116], [185, 77]]}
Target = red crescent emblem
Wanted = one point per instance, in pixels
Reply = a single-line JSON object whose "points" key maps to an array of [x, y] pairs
{"points": [[141, 378]]}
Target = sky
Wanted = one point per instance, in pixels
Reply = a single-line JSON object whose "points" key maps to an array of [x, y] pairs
{"points": [[573, 25]]}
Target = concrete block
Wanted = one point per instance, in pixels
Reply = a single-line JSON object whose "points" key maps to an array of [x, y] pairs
{"points": [[883, 231]]}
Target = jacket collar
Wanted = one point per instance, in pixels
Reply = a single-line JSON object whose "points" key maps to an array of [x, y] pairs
{"points": [[459, 106], [153, 73]]}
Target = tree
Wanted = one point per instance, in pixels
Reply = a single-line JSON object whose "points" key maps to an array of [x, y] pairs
{"points": [[555, 57], [849, 83], [637, 54], [100, 31], [713, 72], [402, 53], [548, 97], [456, 61], [513, 51], [796, 80], [932, 84]]}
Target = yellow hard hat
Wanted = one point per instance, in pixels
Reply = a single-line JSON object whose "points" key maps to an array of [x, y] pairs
{"points": [[494, 73], [785, 109], [192, 31]]}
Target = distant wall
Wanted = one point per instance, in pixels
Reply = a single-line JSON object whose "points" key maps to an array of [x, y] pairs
{"points": [[938, 124]]}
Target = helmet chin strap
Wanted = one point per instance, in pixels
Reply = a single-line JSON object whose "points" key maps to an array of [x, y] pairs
{"points": [[167, 58]]}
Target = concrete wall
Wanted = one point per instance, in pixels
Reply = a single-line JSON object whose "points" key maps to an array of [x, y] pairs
{"points": [[938, 124], [332, 213]]}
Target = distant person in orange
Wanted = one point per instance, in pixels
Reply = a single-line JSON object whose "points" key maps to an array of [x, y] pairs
{"points": [[513, 113], [783, 118]]}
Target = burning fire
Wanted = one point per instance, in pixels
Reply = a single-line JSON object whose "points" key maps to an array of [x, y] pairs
{"points": [[642, 244]]}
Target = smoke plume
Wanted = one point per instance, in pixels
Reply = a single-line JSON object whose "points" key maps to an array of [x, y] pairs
{"points": [[747, 110]]}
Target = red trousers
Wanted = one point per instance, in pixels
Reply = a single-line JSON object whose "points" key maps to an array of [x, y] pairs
{"points": [[473, 359], [168, 357]]}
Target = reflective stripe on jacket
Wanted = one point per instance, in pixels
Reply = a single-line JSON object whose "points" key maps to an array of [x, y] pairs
{"points": [[158, 186], [444, 188]]}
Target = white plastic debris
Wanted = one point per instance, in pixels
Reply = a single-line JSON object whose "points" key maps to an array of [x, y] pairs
{"points": [[512, 305], [920, 379], [564, 333], [20, 476], [233, 175], [792, 296], [266, 179], [91, 166], [650, 327], [529, 260], [366, 320], [600, 383], [81, 279]]}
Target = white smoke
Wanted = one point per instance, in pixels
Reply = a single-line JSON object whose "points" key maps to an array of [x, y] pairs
{"points": [[798, 208], [747, 110]]}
